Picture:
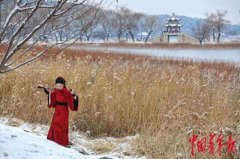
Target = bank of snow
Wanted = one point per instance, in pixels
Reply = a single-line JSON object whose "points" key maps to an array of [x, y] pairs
{"points": [[25, 141], [18, 144]]}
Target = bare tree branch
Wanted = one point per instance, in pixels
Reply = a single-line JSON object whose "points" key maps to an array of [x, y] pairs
{"points": [[9, 53], [31, 46], [25, 29]]}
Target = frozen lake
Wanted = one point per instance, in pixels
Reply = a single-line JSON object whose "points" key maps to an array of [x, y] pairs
{"points": [[203, 54]]}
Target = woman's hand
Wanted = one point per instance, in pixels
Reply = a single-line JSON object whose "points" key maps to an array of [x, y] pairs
{"points": [[47, 90], [73, 94]]}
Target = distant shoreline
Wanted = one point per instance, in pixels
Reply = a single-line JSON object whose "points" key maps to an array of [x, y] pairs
{"points": [[162, 46]]}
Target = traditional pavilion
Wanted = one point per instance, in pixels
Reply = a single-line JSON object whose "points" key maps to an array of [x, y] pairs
{"points": [[173, 25], [173, 34]]}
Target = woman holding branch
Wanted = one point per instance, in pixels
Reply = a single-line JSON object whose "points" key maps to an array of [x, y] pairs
{"points": [[61, 99]]}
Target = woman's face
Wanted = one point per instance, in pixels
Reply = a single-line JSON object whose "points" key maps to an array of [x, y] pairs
{"points": [[59, 86]]}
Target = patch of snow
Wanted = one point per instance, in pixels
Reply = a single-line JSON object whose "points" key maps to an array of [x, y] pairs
{"points": [[19, 140], [15, 143]]}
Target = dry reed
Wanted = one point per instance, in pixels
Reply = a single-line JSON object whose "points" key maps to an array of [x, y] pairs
{"points": [[163, 100]]}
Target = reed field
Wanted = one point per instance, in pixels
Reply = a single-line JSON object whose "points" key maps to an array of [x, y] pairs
{"points": [[163, 100]]}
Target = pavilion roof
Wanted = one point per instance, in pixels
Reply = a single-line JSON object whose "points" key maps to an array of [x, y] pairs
{"points": [[172, 25]]}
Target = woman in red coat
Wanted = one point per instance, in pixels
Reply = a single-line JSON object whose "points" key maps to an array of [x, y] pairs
{"points": [[61, 99]]}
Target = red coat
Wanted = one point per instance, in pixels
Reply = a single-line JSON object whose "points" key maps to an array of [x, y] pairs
{"points": [[60, 100]]}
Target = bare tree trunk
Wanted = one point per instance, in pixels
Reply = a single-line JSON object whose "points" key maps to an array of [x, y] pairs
{"points": [[80, 37], [88, 37], [202, 38], [126, 36], [108, 36], [149, 33], [213, 34], [56, 37], [218, 38], [132, 36], [60, 34], [119, 35]]}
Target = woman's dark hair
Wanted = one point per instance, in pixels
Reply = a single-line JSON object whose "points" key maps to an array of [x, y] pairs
{"points": [[60, 80]]}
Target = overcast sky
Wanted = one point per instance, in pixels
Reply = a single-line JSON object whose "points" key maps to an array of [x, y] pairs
{"points": [[191, 8]]}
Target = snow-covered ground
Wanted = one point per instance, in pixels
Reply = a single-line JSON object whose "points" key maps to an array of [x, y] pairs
{"points": [[19, 140]]}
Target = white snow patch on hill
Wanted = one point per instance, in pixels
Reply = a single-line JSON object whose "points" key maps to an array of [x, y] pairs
{"points": [[26, 141]]}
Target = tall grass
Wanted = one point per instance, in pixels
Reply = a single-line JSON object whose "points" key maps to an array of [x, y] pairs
{"points": [[163, 100]]}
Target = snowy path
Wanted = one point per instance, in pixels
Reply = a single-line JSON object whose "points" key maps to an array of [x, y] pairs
{"points": [[18, 144], [24, 142]]}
